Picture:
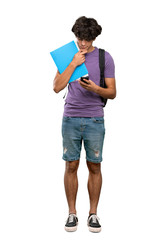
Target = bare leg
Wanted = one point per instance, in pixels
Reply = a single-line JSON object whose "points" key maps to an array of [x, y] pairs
{"points": [[94, 185], [71, 184]]}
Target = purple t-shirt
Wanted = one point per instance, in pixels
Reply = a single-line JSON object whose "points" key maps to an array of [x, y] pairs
{"points": [[81, 102]]}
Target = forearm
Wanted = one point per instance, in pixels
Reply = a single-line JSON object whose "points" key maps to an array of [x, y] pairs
{"points": [[60, 81], [109, 93]]}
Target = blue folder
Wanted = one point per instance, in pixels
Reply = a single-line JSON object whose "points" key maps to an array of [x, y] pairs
{"points": [[63, 57]]}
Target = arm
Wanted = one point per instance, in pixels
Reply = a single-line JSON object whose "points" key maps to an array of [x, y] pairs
{"points": [[60, 81], [109, 92]]}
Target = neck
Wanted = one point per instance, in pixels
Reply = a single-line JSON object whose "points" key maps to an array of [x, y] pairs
{"points": [[90, 49]]}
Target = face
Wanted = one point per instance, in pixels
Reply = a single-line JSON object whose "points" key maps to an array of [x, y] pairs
{"points": [[85, 45]]}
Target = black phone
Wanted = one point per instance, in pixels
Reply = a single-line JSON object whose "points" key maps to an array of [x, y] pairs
{"points": [[83, 79]]}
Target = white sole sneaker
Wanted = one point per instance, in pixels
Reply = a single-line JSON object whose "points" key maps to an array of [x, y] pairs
{"points": [[70, 229], [94, 230], [71, 223]]}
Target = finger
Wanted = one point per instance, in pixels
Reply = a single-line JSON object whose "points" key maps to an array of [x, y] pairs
{"points": [[83, 51], [80, 82], [84, 84], [85, 87]]}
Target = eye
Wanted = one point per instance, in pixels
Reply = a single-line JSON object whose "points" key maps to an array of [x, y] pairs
{"points": [[80, 39]]}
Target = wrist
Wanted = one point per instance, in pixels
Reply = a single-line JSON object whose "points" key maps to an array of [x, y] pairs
{"points": [[73, 64], [96, 90]]}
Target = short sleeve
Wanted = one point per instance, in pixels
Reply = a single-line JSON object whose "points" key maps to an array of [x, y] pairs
{"points": [[109, 71]]}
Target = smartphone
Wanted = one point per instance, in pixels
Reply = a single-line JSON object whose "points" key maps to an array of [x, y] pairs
{"points": [[83, 79]]}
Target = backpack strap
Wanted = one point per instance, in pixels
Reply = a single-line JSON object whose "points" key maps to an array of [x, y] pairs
{"points": [[102, 67]]}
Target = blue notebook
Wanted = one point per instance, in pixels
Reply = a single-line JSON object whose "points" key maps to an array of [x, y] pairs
{"points": [[63, 57]]}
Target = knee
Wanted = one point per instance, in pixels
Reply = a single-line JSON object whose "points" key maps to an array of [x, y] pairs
{"points": [[72, 167], [94, 168]]}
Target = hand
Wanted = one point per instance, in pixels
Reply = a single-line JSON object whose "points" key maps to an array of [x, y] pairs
{"points": [[79, 57], [90, 85]]}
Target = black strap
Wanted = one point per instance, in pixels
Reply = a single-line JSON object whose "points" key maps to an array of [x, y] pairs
{"points": [[102, 67]]}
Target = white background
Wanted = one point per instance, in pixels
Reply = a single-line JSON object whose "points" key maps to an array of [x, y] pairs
{"points": [[32, 201]]}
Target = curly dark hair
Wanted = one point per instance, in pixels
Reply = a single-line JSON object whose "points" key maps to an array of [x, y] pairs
{"points": [[86, 28]]}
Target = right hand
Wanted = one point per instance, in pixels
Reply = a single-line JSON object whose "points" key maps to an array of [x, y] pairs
{"points": [[79, 57]]}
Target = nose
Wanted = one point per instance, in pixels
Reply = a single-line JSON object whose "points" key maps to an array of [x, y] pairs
{"points": [[83, 42]]}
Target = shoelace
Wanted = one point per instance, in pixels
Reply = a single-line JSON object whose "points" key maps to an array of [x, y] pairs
{"points": [[94, 218], [71, 217]]}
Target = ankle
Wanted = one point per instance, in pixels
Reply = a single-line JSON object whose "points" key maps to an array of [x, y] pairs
{"points": [[92, 212], [72, 212], [93, 209]]}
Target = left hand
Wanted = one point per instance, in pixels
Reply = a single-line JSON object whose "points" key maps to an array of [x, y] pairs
{"points": [[91, 86]]}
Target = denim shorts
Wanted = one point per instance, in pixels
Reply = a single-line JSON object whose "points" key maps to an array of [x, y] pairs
{"points": [[89, 130]]}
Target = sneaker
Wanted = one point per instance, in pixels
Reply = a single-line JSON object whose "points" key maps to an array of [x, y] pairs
{"points": [[71, 223], [93, 223]]}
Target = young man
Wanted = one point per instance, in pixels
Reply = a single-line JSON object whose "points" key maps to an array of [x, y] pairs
{"points": [[83, 119]]}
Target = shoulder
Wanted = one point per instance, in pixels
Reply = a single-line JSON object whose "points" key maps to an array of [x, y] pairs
{"points": [[109, 65], [108, 56], [108, 59]]}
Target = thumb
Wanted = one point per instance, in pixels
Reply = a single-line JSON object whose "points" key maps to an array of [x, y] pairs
{"points": [[83, 51]]}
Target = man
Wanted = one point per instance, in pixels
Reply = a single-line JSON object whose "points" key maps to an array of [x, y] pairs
{"points": [[83, 119]]}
